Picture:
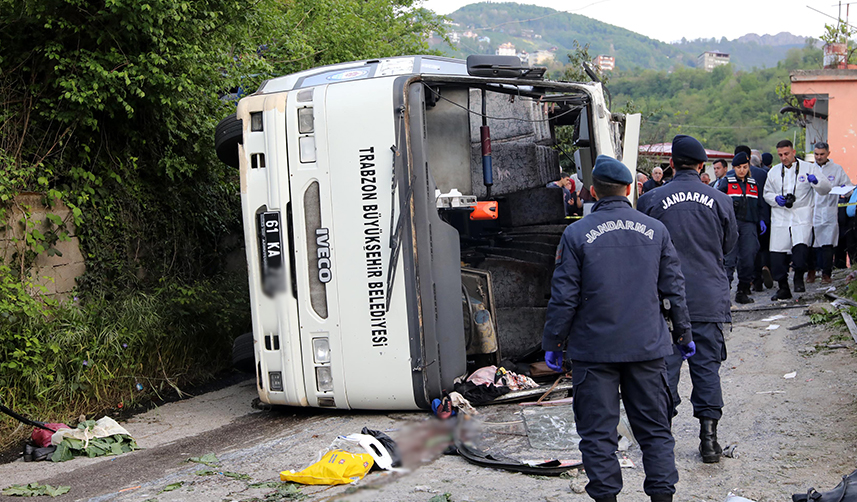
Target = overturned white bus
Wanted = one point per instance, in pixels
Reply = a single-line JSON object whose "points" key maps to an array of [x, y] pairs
{"points": [[397, 223]]}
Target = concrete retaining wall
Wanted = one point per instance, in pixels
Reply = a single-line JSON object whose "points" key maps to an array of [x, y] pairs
{"points": [[56, 273]]}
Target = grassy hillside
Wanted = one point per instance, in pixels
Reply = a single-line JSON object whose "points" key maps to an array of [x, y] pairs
{"points": [[531, 28], [509, 22]]}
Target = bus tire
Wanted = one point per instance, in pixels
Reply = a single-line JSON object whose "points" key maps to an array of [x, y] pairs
{"points": [[227, 136], [243, 356]]}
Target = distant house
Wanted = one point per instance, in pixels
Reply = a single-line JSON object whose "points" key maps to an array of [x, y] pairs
{"points": [[710, 59], [541, 57], [506, 49], [454, 36], [469, 34], [487, 40], [604, 62]]}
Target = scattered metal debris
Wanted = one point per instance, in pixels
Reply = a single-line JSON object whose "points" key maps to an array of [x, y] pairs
{"points": [[730, 450], [849, 321], [774, 307], [841, 299]]}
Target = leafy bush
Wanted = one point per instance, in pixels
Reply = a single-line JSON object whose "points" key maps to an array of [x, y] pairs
{"points": [[110, 107], [99, 354]]}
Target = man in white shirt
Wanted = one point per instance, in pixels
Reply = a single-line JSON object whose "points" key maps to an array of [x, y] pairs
{"points": [[789, 191], [825, 223]]}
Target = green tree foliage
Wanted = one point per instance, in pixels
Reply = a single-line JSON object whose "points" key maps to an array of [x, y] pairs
{"points": [[722, 108], [507, 22], [519, 24], [110, 106]]}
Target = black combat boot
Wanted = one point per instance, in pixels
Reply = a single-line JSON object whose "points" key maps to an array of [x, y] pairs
{"points": [[757, 285], [743, 294], [784, 293], [662, 497], [709, 448], [799, 287]]}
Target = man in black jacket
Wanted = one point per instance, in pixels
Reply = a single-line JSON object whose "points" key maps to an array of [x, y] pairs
{"points": [[617, 335], [702, 224]]}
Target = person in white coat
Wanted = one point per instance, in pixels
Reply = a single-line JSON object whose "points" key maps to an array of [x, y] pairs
{"points": [[825, 216], [789, 191]]}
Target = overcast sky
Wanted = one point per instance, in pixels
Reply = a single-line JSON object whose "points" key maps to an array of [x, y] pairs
{"points": [[670, 20]]}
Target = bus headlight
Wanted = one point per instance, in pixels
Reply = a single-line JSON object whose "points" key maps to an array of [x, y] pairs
{"points": [[306, 123], [321, 350], [324, 379], [307, 148]]}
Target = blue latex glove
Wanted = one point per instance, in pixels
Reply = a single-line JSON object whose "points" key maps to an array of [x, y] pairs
{"points": [[763, 226], [812, 179], [687, 350], [781, 201], [553, 358]]}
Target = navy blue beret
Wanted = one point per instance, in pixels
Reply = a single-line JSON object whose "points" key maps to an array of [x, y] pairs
{"points": [[689, 148], [767, 159], [611, 170], [740, 158]]}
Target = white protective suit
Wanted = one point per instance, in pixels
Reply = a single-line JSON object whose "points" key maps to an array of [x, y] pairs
{"points": [[825, 215], [793, 226]]}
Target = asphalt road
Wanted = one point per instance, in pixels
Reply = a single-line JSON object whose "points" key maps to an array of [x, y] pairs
{"points": [[792, 433]]}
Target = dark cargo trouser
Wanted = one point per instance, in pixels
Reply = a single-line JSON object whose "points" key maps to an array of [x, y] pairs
{"points": [[646, 396], [706, 396], [743, 255], [780, 262]]}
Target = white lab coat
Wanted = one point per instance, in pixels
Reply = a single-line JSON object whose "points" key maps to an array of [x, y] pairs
{"points": [[825, 215], [793, 226]]}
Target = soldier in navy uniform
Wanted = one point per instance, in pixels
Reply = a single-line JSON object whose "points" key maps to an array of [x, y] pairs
{"points": [[613, 268], [702, 224], [742, 189]]}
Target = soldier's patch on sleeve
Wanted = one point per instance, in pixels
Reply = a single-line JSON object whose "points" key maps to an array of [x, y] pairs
{"points": [[559, 253]]}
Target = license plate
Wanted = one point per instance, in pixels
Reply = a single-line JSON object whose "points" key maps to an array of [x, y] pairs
{"points": [[271, 250]]}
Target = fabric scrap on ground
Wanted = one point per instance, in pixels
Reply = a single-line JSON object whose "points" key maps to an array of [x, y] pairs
{"points": [[336, 467]]}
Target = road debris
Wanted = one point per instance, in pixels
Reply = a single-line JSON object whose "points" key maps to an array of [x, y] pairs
{"points": [[336, 467], [34, 490], [731, 497], [840, 299], [93, 438], [791, 375], [799, 326], [849, 321], [845, 491], [821, 308], [729, 450], [209, 459]]}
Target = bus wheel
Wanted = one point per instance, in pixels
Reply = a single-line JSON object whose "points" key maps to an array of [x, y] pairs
{"points": [[227, 136], [243, 358]]}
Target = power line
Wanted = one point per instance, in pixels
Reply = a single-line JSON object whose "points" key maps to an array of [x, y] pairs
{"points": [[671, 124], [832, 17]]}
